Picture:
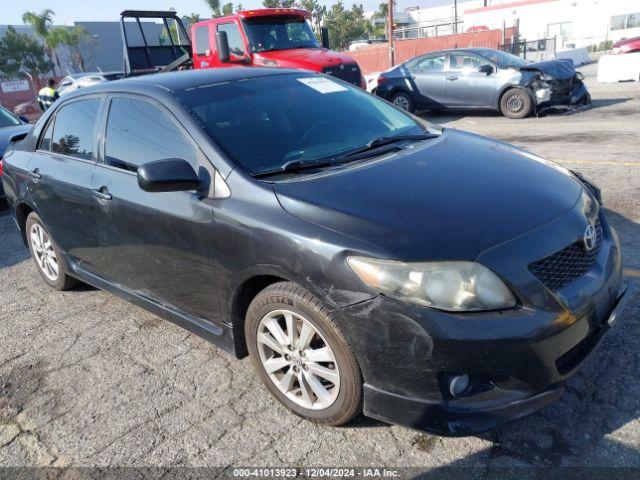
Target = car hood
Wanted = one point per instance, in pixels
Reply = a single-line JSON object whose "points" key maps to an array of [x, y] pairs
{"points": [[562, 69], [6, 133], [449, 198], [309, 58]]}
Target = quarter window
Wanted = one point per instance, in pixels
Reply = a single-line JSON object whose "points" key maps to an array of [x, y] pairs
{"points": [[202, 41], [138, 132], [45, 140], [236, 44], [74, 126]]}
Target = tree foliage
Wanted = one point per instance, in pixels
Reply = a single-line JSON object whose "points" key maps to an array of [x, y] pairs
{"points": [[22, 56], [317, 11], [278, 3], [345, 25]]}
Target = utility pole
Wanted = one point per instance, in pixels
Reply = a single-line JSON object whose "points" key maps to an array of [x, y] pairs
{"points": [[390, 34], [455, 16]]}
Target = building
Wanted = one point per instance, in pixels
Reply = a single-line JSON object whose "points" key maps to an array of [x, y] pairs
{"points": [[574, 23]]}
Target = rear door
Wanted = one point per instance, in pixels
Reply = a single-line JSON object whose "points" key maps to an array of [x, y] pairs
{"points": [[159, 245], [62, 168], [203, 53], [428, 76], [465, 85]]}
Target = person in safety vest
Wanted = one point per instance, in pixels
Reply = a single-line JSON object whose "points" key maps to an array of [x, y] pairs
{"points": [[47, 95]]}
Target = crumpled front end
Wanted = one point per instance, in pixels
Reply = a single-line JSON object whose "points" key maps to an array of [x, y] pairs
{"points": [[566, 93]]}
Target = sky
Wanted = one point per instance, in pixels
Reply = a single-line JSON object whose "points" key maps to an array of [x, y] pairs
{"points": [[68, 11]]}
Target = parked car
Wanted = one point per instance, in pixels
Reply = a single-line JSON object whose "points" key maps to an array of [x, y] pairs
{"points": [[482, 78], [363, 259], [75, 81], [12, 128], [626, 45], [27, 108]]}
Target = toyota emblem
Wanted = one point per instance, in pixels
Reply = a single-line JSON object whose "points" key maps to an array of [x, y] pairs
{"points": [[589, 238]]}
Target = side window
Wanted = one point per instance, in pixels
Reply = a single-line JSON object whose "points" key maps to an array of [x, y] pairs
{"points": [[202, 40], [73, 131], [236, 44], [463, 61], [45, 139], [428, 64], [138, 132]]}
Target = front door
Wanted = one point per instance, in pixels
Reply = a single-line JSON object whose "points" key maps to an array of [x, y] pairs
{"points": [[158, 245], [467, 87], [428, 76], [62, 168]]}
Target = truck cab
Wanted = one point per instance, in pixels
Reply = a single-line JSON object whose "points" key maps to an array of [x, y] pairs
{"points": [[269, 37]]}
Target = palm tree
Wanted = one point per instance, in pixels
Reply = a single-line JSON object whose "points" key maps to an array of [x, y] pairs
{"points": [[214, 5], [41, 23]]}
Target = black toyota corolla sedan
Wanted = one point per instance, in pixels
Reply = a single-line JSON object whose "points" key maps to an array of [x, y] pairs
{"points": [[364, 259]]}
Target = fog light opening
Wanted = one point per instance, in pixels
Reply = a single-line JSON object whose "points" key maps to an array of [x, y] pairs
{"points": [[459, 385]]}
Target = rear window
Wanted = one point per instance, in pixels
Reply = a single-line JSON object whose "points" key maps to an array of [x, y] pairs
{"points": [[74, 126], [202, 40]]}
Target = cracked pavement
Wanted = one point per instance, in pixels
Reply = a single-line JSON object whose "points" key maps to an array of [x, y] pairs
{"points": [[87, 379]]}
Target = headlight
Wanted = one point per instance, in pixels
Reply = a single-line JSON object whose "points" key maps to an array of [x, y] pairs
{"points": [[547, 78], [453, 286]]}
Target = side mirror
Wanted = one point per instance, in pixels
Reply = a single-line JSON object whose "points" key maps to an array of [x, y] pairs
{"points": [[24, 119], [222, 42], [488, 69], [324, 34], [171, 175]]}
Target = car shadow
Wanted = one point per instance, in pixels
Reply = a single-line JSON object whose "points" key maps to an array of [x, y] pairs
{"points": [[12, 249], [595, 424]]}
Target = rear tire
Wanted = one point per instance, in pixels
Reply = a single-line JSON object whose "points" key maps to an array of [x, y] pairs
{"points": [[46, 255], [312, 371], [403, 101], [516, 103]]}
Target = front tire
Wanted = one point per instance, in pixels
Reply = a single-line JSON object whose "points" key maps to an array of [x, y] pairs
{"points": [[516, 104], [46, 255], [403, 101], [302, 356]]}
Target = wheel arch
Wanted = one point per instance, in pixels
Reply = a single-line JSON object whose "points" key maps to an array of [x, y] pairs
{"points": [[23, 210]]}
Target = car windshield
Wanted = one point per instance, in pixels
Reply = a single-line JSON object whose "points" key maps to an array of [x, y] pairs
{"points": [[7, 119], [266, 122], [279, 33], [503, 59]]}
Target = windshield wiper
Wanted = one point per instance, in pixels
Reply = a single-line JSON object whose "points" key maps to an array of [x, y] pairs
{"points": [[292, 166], [346, 157], [383, 141]]}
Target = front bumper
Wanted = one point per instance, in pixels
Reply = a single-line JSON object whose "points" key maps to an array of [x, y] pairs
{"points": [[563, 95], [517, 359], [504, 402]]}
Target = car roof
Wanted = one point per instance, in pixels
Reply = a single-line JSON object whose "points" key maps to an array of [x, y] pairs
{"points": [[182, 80]]}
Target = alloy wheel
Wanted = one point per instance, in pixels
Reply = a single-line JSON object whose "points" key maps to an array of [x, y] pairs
{"points": [[43, 252], [401, 102], [298, 359]]}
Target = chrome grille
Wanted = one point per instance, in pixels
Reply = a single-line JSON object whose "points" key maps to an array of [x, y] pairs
{"points": [[560, 269]]}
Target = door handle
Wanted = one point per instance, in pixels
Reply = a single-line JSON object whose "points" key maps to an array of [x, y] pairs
{"points": [[102, 193], [452, 78], [35, 174]]}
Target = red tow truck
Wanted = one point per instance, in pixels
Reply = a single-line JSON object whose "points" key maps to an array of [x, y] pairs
{"points": [[269, 37]]}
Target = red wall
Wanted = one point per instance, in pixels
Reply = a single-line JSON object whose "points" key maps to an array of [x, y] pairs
{"points": [[376, 57], [10, 100]]}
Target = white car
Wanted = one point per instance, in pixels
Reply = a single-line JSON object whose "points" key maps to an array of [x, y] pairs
{"points": [[619, 68], [75, 81]]}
